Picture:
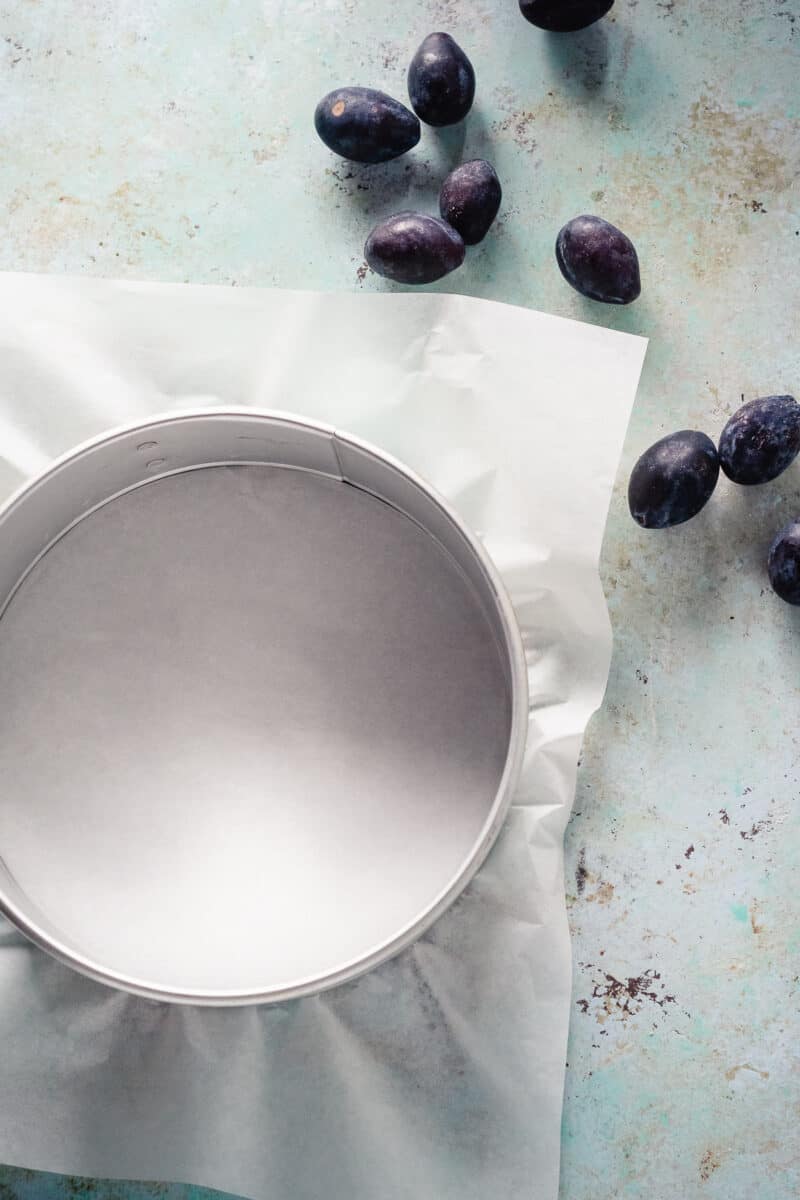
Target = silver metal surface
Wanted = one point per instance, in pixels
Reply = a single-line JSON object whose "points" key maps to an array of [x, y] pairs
{"points": [[267, 706]]}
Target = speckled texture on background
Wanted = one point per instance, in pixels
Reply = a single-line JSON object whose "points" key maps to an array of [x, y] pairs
{"points": [[174, 141], [20, 1184]]}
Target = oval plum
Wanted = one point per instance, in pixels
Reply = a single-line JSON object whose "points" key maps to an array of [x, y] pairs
{"points": [[564, 16], [598, 260], [412, 247], [783, 563], [441, 81], [673, 479], [364, 125], [761, 440], [470, 198]]}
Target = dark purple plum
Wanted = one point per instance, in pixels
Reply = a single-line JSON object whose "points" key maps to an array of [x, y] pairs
{"points": [[598, 260], [470, 198], [761, 440], [364, 125], [673, 479], [412, 247], [783, 563], [441, 81], [564, 16]]}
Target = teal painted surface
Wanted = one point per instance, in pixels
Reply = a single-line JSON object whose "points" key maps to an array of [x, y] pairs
{"points": [[19, 1184], [174, 141]]}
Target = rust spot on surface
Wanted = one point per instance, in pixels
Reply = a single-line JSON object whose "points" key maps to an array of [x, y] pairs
{"points": [[689, 851], [741, 146], [625, 998], [708, 1165], [748, 835], [338, 108], [581, 873], [520, 126], [603, 895], [734, 1071], [270, 147]]}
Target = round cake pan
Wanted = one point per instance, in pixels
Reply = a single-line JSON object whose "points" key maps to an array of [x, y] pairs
{"points": [[263, 707]]}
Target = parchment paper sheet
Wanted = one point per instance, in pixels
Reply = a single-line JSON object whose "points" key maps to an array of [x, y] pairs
{"points": [[440, 1075]]}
